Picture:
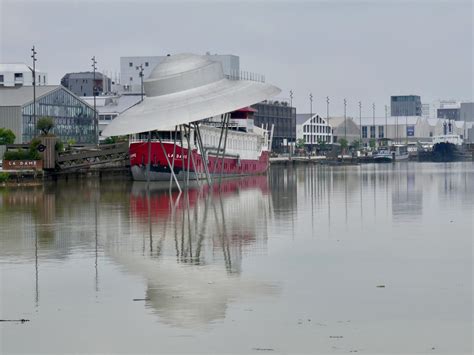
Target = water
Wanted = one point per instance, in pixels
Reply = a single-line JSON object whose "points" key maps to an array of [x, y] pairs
{"points": [[371, 258]]}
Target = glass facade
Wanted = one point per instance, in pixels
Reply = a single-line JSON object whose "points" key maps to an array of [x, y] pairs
{"points": [[73, 119]]}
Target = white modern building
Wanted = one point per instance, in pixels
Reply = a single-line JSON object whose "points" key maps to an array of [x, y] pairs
{"points": [[20, 74], [130, 78], [411, 128], [312, 129]]}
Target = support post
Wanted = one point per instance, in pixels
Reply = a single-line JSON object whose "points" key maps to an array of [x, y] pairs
{"points": [[174, 153], [149, 159], [225, 145], [219, 146], [169, 164], [203, 153]]}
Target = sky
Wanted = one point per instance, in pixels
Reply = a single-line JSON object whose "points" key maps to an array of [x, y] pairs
{"points": [[359, 50]]}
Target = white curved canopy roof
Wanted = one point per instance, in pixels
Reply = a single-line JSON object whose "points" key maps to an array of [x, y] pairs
{"points": [[185, 88]]}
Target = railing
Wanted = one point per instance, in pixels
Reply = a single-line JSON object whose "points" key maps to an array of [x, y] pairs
{"points": [[245, 75]]}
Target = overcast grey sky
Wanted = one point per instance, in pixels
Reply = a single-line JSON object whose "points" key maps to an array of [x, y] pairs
{"points": [[362, 50]]}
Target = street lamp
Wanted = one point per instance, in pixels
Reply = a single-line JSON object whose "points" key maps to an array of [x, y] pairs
{"points": [[360, 120], [140, 74], [373, 121], [291, 98], [345, 120], [33, 55], [386, 124], [311, 115], [327, 118], [96, 123]]}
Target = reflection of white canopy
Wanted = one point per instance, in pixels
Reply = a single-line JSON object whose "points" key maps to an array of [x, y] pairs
{"points": [[184, 88]]}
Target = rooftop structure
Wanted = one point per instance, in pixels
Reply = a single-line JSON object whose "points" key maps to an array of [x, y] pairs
{"points": [[406, 105], [20, 74], [82, 83], [129, 75]]}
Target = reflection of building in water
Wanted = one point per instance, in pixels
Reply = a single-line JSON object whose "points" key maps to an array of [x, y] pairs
{"points": [[209, 226], [407, 195], [206, 232], [283, 183]]}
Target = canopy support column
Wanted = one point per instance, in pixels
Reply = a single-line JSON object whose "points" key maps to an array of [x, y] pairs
{"points": [[169, 164], [225, 145], [149, 159], [174, 154], [203, 154]]}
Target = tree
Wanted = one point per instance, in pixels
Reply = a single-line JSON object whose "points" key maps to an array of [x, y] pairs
{"points": [[45, 124], [300, 143], [372, 143], [6, 136], [356, 144], [344, 144]]}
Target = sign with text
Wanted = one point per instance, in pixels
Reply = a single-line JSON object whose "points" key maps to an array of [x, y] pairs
{"points": [[410, 131], [22, 164]]}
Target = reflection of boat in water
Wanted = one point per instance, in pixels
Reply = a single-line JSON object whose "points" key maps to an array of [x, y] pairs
{"points": [[447, 148], [189, 247], [391, 154]]}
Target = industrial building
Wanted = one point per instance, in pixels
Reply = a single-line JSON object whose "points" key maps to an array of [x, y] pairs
{"points": [[83, 83], [282, 116], [73, 118], [406, 105]]}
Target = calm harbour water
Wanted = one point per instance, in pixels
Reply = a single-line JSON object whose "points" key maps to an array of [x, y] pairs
{"points": [[370, 258]]}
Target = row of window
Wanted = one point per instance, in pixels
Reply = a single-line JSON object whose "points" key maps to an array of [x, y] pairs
{"points": [[19, 76], [130, 64], [316, 129], [381, 133], [315, 139]]}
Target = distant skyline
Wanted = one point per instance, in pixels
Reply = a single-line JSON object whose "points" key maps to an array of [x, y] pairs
{"points": [[360, 50]]}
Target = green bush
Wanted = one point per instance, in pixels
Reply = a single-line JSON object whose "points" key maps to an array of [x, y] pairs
{"points": [[21, 155], [4, 176], [45, 124], [6, 136], [59, 146]]}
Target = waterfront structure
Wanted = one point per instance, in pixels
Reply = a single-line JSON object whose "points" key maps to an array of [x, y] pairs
{"points": [[73, 118], [449, 112], [405, 105], [312, 129], [344, 128], [411, 128], [109, 107], [129, 75], [280, 115], [83, 83], [192, 92], [20, 74]]}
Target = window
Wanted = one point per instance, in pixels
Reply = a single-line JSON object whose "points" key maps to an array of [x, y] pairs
{"points": [[146, 64], [381, 132], [364, 131], [372, 131], [18, 75], [130, 64], [1, 78]]}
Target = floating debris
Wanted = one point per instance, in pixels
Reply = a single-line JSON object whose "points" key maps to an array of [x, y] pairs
{"points": [[336, 336], [141, 299], [15, 320], [380, 286]]}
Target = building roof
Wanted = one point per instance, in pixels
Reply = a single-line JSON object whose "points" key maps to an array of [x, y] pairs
{"points": [[380, 121], [15, 67], [303, 117], [113, 104], [21, 95], [84, 75]]}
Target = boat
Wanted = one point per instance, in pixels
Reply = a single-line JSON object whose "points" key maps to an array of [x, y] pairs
{"points": [[245, 152], [391, 154], [194, 122], [446, 148]]}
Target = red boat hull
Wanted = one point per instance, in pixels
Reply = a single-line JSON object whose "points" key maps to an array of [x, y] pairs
{"points": [[159, 169]]}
